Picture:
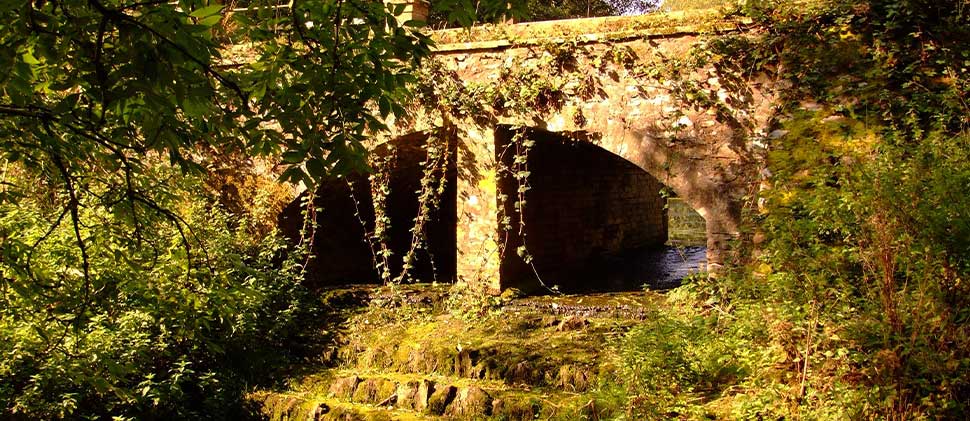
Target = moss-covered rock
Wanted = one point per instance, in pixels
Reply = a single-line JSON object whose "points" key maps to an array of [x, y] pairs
{"points": [[511, 409], [470, 402], [352, 414], [423, 396], [530, 361], [522, 373], [573, 378], [572, 323], [440, 399], [281, 406], [344, 388], [406, 393], [374, 391], [413, 395]]}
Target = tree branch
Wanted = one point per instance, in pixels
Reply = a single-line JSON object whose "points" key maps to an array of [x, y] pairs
{"points": [[118, 16]]}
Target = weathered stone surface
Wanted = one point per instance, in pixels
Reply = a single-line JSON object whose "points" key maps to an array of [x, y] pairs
{"points": [[514, 410], [374, 391], [701, 152], [425, 389], [413, 395], [428, 360], [573, 378], [350, 414], [344, 388], [463, 363], [701, 149], [468, 364], [440, 399], [318, 412], [470, 402], [522, 373], [406, 392], [278, 406]]}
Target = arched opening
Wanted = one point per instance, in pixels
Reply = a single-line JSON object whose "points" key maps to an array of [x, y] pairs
{"points": [[344, 248], [578, 218]]}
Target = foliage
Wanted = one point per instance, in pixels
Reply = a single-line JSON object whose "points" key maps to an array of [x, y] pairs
{"points": [[856, 302], [436, 163], [673, 357], [126, 291], [672, 5], [568, 9], [117, 80], [444, 13], [171, 320]]}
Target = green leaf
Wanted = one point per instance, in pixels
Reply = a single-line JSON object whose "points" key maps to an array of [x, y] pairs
{"points": [[206, 11], [30, 59], [292, 175], [211, 20], [316, 169], [293, 157]]}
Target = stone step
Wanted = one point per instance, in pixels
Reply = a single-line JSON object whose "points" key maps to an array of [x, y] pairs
{"points": [[550, 351], [277, 406], [509, 364], [340, 395], [410, 356]]}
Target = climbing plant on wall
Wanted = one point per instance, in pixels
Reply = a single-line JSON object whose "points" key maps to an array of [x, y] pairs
{"points": [[437, 151]]}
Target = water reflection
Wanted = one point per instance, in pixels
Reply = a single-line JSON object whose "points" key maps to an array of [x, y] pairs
{"points": [[652, 268]]}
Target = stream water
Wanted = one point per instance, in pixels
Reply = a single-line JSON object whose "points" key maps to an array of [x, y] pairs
{"points": [[658, 268], [650, 268]]}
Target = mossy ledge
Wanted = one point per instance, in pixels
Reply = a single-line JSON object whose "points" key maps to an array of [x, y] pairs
{"points": [[429, 352]]}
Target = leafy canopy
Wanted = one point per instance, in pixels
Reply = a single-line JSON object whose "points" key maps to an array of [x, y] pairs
{"points": [[126, 291]]}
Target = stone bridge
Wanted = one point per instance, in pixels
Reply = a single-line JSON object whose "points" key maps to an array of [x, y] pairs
{"points": [[564, 138]]}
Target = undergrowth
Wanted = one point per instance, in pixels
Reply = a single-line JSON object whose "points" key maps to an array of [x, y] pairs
{"points": [[853, 300]]}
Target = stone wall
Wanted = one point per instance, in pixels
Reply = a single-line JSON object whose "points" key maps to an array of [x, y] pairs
{"points": [[583, 205], [700, 132]]}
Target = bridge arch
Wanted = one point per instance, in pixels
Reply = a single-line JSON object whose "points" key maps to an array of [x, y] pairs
{"points": [[569, 209], [578, 208], [566, 207], [708, 179]]}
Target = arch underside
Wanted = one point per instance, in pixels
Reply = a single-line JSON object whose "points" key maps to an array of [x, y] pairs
{"points": [[579, 219], [344, 245]]}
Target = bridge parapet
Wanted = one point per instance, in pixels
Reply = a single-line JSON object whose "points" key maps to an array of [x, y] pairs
{"points": [[600, 29]]}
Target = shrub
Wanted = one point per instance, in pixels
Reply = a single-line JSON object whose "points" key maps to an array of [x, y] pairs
{"points": [[164, 312]]}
